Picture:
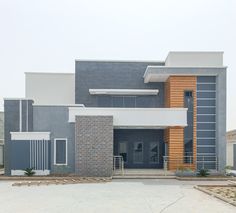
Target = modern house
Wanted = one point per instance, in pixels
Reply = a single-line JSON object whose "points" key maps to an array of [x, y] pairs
{"points": [[146, 114], [231, 148]]}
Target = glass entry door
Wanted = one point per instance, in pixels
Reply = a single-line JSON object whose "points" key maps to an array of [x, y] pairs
{"points": [[139, 154], [140, 148]]}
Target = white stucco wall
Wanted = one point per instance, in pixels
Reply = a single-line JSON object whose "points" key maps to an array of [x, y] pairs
{"points": [[230, 153], [135, 117], [194, 59], [50, 88]]}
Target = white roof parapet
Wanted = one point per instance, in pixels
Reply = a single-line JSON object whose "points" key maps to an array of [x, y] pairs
{"points": [[194, 59], [30, 135], [123, 91]]}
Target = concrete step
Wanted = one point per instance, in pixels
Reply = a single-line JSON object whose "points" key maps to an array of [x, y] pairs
{"points": [[142, 177], [143, 174]]}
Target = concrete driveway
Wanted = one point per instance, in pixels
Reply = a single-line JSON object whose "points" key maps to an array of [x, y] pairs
{"points": [[116, 196]]}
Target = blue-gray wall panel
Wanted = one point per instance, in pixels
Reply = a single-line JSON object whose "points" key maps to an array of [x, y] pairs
{"points": [[206, 79], [206, 103], [206, 87], [206, 94], [114, 75], [206, 126], [206, 118], [11, 124], [55, 120], [20, 155], [206, 141]]}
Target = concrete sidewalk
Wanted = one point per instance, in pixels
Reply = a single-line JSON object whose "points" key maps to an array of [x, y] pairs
{"points": [[116, 196]]}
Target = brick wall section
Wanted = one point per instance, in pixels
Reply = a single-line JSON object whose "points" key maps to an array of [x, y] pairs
{"points": [[94, 146], [174, 97]]}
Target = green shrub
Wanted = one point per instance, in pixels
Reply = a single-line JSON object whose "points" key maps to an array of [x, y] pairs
{"points": [[29, 172], [203, 173], [228, 167]]}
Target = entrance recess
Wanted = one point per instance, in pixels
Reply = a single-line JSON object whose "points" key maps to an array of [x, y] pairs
{"points": [[140, 148]]}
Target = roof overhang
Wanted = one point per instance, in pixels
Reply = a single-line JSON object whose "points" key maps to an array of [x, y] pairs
{"points": [[161, 73]]}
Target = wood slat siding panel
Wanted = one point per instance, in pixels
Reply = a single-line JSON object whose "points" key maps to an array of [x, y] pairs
{"points": [[174, 97]]}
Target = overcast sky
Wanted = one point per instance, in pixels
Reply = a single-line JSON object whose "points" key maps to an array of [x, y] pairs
{"points": [[48, 35]]}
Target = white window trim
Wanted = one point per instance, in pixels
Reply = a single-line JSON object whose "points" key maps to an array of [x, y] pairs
{"points": [[60, 164]]}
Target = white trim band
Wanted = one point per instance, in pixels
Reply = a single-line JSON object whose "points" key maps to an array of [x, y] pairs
{"points": [[123, 91], [30, 135]]}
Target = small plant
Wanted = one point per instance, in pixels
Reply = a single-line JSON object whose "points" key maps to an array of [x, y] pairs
{"points": [[203, 173], [181, 168], [29, 172], [228, 167]]}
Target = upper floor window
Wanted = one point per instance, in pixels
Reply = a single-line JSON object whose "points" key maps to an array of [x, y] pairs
{"points": [[123, 101]]}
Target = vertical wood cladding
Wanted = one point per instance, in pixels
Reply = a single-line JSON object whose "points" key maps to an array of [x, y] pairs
{"points": [[174, 136]]}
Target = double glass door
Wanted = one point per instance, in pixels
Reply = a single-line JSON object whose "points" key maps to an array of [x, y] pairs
{"points": [[140, 154]]}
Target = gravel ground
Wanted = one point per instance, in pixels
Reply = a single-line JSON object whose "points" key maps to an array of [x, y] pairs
{"points": [[116, 196]]}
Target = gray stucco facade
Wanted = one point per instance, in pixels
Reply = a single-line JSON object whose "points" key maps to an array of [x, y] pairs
{"points": [[55, 120], [114, 75]]}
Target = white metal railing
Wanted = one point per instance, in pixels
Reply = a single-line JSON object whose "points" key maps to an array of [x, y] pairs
{"points": [[203, 162], [118, 164]]}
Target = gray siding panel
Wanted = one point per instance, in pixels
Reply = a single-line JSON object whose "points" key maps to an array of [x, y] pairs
{"points": [[206, 141], [206, 118], [114, 75], [206, 103], [20, 155], [206, 126], [12, 124], [55, 120], [206, 94], [206, 86], [206, 79]]}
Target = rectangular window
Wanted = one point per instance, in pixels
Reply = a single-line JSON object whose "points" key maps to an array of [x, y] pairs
{"points": [[60, 151], [129, 101], [117, 101]]}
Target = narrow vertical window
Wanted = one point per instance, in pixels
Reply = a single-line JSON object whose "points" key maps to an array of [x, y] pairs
{"points": [[188, 130], [60, 151]]}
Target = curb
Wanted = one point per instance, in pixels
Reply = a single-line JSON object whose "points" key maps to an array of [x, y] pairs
{"points": [[204, 179], [200, 188], [23, 178]]}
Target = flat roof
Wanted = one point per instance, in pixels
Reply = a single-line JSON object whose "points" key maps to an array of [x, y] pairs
{"points": [[121, 61], [62, 73]]}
